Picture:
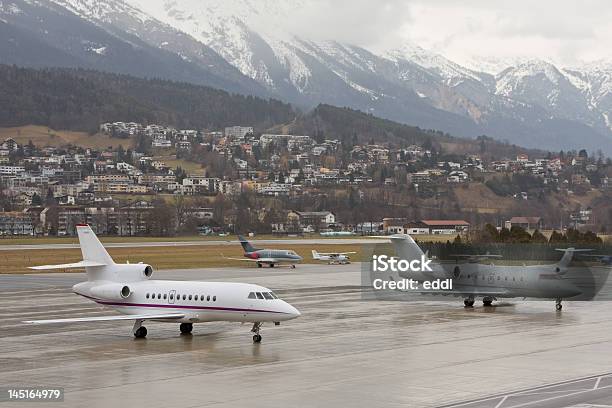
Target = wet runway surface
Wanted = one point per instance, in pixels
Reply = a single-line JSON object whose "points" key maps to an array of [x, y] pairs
{"points": [[342, 351], [595, 391]]}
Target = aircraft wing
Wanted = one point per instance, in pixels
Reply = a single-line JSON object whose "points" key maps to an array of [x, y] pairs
{"points": [[335, 253], [263, 260], [109, 318], [81, 264], [242, 259], [476, 257]]}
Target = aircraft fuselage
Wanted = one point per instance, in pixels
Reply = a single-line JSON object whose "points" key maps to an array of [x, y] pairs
{"points": [[198, 301]]}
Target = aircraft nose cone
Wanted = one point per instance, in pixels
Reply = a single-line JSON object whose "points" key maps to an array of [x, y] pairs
{"points": [[292, 311]]}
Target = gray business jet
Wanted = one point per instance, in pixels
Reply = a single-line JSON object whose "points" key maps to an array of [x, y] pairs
{"points": [[490, 282], [269, 257]]}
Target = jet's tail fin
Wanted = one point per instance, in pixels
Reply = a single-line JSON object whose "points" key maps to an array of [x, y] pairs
{"points": [[568, 255], [406, 247], [91, 247], [95, 258], [246, 245], [315, 254]]}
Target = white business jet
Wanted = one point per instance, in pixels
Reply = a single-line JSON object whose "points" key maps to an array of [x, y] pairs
{"points": [[129, 289]]}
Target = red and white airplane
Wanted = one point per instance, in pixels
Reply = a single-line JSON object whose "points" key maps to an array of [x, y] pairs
{"points": [[129, 289]]}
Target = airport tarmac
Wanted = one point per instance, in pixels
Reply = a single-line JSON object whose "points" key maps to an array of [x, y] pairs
{"points": [[343, 350]]}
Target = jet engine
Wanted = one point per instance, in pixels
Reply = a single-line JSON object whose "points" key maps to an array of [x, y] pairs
{"points": [[111, 291], [148, 271]]}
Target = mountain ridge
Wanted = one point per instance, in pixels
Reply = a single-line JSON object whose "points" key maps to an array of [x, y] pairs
{"points": [[224, 44]]}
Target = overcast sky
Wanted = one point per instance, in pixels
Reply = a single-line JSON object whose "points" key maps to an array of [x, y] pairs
{"points": [[562, 31]]}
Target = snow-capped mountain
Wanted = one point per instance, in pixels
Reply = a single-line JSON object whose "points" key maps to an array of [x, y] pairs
{"points": [[112, 36], [531, 102], [250, 46]]}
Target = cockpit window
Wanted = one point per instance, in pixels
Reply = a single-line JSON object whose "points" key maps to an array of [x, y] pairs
{"points": [[252, 295], [267, 295], [259, 295], [273, 295]]}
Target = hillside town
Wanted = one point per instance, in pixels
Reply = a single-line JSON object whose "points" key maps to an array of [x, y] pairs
{"points": [[167, 181]]}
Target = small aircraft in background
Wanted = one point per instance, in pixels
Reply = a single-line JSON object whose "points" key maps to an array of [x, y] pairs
{"points": [[269, 257], [340, 258], [475, 258], [129, 289], [604, 259], [337, 234]]}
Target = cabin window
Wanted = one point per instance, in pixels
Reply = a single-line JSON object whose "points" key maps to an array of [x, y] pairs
{"points": [[202, 298], [159, 295], [214, 298], [513, 279], [190, 297], [147, 295], [208, 298], [195, 297], [468, 276], [259, 295], [252, 295], [171, 296], [165, 296], [184, 297], [267, 295]]}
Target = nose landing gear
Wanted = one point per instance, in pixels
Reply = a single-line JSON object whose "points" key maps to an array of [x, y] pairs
{"points": [[558, 304], [255, 329]]}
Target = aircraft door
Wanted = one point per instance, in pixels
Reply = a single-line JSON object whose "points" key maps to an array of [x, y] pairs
{"points": [[171, 296]]}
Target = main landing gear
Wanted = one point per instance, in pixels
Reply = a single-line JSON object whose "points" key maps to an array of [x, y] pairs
{"points": [[469, 301], [259, 265], [293, 266], [558, 304], [255, 329], [140, 332], [487, 301], [186, 328]]}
